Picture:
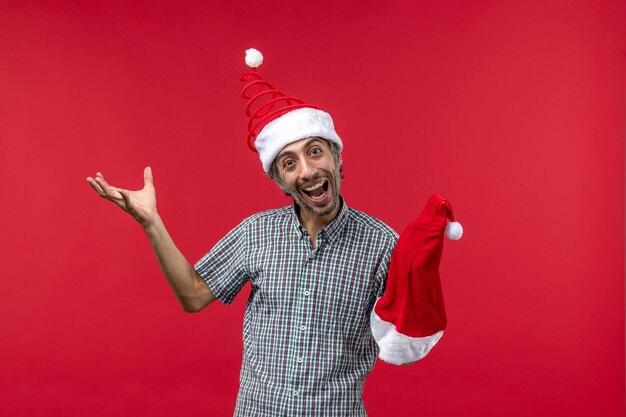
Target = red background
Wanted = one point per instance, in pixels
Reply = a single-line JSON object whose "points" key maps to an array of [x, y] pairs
{"points": [[514, 110]]}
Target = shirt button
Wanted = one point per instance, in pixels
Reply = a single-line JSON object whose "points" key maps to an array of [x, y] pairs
{"points": [[299, 360], [303, 327], [306, 293], [295, 393]]}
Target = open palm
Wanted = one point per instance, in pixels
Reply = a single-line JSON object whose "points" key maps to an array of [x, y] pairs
{"points": [[140, 204]]}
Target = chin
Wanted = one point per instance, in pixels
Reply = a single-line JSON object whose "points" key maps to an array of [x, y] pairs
{"points": [[320, 211]]}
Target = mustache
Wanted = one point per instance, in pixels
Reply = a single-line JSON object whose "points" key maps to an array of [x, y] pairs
{"points": [[314, 179]]}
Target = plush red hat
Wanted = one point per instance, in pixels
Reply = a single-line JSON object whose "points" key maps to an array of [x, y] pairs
{"points": [[277, 119], [410, 317]]}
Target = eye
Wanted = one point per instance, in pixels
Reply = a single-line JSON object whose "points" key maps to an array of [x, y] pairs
{"points": [[315, 151], [288, 163]]}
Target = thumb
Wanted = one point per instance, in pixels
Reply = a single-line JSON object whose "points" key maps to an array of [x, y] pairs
{"points": [[147, 176]]}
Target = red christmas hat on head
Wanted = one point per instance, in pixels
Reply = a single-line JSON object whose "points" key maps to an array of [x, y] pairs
{"points": [[410, 317], [276, 119]]}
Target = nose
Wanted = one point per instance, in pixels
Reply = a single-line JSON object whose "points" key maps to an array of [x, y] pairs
{"points": [[308, 169]]}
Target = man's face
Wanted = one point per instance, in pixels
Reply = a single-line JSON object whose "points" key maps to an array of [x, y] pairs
{"points": [[308, 173]]}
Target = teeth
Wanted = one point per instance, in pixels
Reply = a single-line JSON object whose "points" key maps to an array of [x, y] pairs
{"points": [[315, 187], [321, 197]]}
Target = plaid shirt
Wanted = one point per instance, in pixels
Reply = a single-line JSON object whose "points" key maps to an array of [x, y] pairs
{"points": [[307, 340]]}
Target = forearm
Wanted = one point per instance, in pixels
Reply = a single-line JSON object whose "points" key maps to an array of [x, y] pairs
{"points": [[191, 291]]}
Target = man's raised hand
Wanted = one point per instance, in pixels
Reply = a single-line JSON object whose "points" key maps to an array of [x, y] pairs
{"points": [[140, 204]]}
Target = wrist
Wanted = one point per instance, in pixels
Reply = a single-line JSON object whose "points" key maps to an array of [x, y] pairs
{"points": [[153, 225]]}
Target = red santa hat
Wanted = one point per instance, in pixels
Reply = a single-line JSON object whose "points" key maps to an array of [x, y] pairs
{"points": [[409, 319], [276, 119]]}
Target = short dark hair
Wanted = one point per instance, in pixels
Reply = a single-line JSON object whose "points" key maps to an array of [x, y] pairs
{"points": [[335, 150]]}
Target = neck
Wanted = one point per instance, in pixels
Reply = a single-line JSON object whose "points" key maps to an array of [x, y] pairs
{"points": [[313, 224]]}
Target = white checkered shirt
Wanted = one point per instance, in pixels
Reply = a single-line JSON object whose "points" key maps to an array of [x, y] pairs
{"points": [[307, 340]]}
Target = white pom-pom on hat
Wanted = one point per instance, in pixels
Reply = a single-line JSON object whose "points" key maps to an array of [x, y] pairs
{"points": [[454, 230], [254, 58]]}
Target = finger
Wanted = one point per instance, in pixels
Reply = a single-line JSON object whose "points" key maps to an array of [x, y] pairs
{"points": [[95, 186], [109, 189], [125, 196], [147, 176], [101, 177], [109, 192]]}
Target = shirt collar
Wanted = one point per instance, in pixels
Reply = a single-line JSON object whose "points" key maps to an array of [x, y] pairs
{"points": [[331, 231]]}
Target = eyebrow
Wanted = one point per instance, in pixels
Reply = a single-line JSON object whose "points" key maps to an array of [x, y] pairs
{"points": [[306, 145]]}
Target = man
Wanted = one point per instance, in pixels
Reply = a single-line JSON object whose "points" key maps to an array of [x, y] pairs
{"points": [[316, 269], [307, 341]]}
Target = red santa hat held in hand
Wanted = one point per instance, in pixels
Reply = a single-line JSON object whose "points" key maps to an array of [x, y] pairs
{"points": [[410, 317]]}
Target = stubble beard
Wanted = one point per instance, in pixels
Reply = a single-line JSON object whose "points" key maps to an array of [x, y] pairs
{"points": [[335, 180]]}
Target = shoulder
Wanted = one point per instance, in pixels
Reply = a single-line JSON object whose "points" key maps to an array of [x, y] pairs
{"points": [[371, 225], [276, 215]]}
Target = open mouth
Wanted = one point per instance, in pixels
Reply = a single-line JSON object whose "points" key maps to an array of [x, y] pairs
{"points": [[317, 191]]}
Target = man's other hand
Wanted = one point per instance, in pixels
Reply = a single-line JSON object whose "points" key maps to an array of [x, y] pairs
{"points": [[140, 204]]}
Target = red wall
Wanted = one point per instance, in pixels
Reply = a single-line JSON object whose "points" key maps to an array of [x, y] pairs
{"points": [[513, 110]]}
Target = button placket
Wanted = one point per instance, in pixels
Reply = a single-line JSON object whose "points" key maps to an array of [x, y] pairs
{"points": [[302, 311]]}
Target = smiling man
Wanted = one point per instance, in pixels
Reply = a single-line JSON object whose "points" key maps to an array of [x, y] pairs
{"points": [[309, 171], [316, 267]]}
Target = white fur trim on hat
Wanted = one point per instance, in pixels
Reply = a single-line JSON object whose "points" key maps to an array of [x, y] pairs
{"points": [[397, 348], [290, 127]]}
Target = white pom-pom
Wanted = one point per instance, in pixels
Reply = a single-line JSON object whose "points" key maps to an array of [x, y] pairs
{"points": [[254, 58], [454, 230]]}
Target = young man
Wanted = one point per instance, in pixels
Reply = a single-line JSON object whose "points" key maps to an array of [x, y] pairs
{"points": [[316, 269]]}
